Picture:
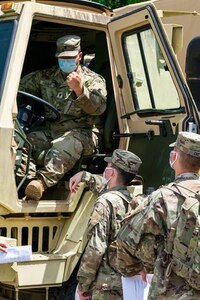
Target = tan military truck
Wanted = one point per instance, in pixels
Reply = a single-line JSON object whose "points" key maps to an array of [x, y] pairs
{"points": [[148, 104]]}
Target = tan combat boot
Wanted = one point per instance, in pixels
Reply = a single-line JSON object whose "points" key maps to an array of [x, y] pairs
{"points": [[35, 190]]}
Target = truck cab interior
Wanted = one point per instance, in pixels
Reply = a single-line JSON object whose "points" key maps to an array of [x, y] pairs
{"points": [[40, 55]]}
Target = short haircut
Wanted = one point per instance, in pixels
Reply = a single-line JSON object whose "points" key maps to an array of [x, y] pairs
{"points": [[189, 162], [125, 177]]}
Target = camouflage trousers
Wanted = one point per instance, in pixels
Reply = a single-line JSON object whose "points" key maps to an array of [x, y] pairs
{"points": [[58, 156], [107, 295], [176, 288], [190, 295]]}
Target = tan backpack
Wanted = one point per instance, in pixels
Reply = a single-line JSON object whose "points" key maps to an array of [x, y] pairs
{"points": [[183, 242]]}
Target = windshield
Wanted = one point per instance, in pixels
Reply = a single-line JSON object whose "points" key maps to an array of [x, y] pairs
{"points": [[7, 30]]}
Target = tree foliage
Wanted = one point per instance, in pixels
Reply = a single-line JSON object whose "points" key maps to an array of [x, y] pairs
{"points": [[117, 3]]}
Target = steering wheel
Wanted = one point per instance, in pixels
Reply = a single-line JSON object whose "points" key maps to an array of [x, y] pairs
{"points": [[27, 116], [44, 103]]}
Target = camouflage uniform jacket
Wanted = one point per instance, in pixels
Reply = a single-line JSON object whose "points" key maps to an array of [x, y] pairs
{"points": [[76, 113], [95, 271], [142, 239]]}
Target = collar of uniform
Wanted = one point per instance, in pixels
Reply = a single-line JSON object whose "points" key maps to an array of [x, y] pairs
{"points": [[115, 188], [59, 79], [187, 176], [118, 188]]}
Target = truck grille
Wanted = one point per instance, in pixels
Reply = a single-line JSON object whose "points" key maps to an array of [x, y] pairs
{"points": [[42, 233]]}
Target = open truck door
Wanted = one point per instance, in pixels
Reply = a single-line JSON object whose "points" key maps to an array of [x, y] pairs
{"points": [[154, 100]]}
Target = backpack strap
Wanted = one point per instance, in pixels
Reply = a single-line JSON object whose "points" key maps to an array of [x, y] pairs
{"points": [[192, 186], [190, 198], [125, 201], [121, 195]]}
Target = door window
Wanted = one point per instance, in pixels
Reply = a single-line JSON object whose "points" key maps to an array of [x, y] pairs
{"points": [[150, 80]]}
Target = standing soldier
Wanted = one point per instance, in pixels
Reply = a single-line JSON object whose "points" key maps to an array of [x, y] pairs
{"points": [[98, 280], [164, 231], [79, 95]]}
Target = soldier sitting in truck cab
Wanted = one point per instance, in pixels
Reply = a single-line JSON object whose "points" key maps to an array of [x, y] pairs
{"points": [[79, 95]]}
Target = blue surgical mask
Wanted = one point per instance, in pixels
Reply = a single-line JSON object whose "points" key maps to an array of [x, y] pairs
{"points": [[67, 65]]}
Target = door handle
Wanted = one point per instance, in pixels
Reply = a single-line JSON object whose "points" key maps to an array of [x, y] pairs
{"points": [[164, 126]]}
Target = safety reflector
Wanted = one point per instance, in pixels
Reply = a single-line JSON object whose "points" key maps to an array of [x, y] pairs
{"points": [[7, 7]]}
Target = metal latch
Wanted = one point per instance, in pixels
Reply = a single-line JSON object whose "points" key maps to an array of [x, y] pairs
{"points": [[164, 126]]}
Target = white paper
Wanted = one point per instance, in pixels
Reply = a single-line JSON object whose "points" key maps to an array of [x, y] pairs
{"points": [[15, 254], [76, 294], [135, 288]]}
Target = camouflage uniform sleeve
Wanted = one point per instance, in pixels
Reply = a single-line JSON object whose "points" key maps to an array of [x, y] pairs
{"points": [[96, 183], [98, 231], [93, 99], [31, 83], [137, 239]]}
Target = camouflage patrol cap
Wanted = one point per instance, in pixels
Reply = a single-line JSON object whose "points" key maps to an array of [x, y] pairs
{"points": [[68, 45], [125, 160], [188, 142]]}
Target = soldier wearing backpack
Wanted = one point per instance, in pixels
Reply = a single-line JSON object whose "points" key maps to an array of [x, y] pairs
{"points": [[97, 277], [164, 231]]}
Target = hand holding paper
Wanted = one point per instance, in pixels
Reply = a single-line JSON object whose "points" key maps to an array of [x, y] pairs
{"points": [[16, 254]]}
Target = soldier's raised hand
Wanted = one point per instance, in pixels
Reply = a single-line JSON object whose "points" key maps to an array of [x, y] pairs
{"points": [[75, 82]]}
